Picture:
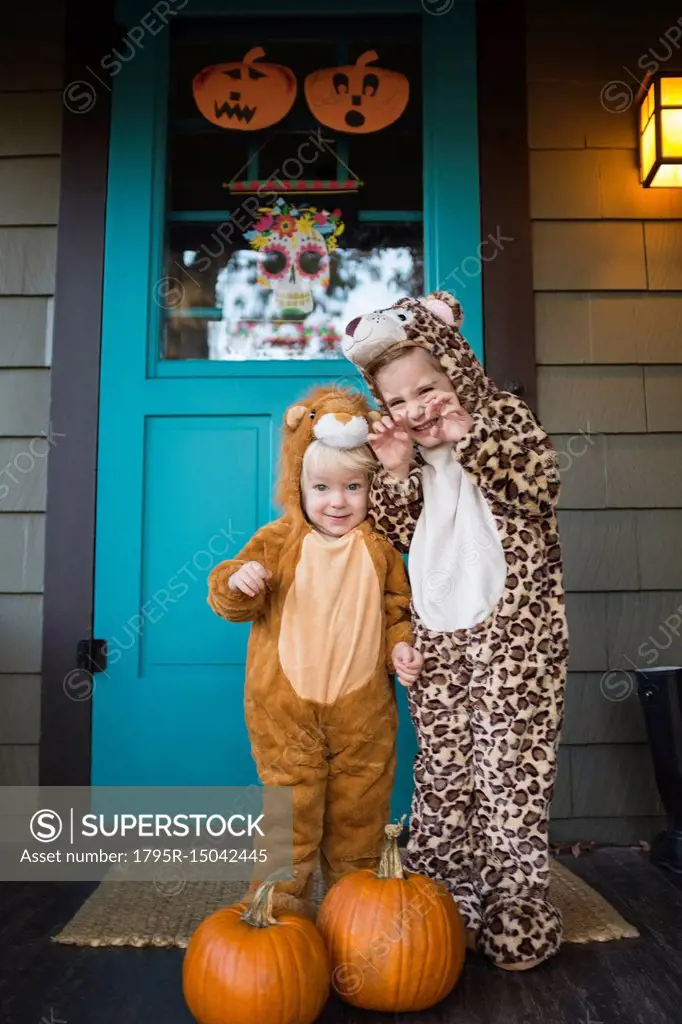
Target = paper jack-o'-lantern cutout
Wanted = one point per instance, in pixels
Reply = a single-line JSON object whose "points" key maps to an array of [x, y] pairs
{"points": [[294, 243], [245, 95], [357, 98]]}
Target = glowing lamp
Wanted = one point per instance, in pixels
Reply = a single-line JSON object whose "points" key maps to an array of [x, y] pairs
{"points": [[660, 131]]}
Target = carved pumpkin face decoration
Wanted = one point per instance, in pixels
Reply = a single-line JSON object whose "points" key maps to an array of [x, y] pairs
{"points": [[245, 95], [357, 98]]}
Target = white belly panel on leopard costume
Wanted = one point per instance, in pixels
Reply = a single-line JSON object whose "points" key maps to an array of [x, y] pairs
{"points": [[456, 565], [489, 618]]}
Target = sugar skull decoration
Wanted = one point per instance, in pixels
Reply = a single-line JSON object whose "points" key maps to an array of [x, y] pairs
{"points": [[357, 98], [293, 243], [245, 95]]}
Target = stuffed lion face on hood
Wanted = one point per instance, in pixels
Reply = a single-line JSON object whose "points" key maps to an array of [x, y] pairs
{"points": [[433, 324], [337, 416]]}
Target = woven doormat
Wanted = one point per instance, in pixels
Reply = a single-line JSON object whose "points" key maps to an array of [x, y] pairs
{"points": [[148, 914]]}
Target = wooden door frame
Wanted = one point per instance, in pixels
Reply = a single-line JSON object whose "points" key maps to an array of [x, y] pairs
{"points": [[508, 300], [64, 753], [508, 315]]}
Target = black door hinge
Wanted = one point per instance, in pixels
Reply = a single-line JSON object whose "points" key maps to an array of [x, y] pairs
{"points": [[91, 655]]}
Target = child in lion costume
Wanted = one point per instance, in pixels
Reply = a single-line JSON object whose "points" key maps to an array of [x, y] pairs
{"points": [[328, 600]]}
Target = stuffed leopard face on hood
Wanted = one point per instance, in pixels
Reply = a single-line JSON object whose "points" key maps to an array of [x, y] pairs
{"points": [[433, 324]]}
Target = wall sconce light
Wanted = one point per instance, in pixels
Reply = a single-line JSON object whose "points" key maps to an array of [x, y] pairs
{"points": [[660, 130]]}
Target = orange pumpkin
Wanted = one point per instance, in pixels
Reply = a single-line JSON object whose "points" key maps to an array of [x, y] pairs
{"points": [[244, 965], [396, 940], [357, 98], [245, 95]]}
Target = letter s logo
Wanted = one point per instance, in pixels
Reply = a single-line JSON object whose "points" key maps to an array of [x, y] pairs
{"points": [[46, 826]]}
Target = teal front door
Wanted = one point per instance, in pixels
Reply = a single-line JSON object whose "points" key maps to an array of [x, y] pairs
{"points": [[242, 234]]}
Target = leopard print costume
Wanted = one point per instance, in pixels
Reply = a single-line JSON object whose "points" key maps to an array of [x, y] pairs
{"points": [[488, 707]]}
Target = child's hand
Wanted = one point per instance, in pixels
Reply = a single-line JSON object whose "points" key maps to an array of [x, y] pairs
{"points": [[454, 421], [392, 446], [250, 579], [408, 663]]}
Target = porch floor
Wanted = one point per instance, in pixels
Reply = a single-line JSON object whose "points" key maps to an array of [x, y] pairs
{"points": [[631, 981]]}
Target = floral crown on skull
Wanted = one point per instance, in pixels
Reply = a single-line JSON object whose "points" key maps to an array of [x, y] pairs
{"points": [[283, 219]]}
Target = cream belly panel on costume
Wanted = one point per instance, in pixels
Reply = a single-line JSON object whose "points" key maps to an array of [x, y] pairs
{"points": [[456, 564], [332, 621]]}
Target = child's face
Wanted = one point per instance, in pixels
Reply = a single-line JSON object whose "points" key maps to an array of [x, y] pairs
{"points": [[335, 501], [405, 385]]}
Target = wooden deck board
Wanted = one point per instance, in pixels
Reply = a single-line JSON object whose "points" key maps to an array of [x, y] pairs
{"points": [[632, 981]]}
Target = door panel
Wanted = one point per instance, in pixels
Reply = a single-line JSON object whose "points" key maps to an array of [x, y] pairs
{"points": [[189, 432], [204, 475]]}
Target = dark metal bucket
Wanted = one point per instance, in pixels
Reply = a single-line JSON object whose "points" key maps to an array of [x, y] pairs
{"points": [[660, 695]]}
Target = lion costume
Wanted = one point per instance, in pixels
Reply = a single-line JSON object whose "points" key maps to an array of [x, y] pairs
{"points": [[320, 708], [478, 519]]}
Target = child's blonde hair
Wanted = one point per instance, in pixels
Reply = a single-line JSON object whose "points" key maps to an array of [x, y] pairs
{"points": [[322, 457], [392, 354]]}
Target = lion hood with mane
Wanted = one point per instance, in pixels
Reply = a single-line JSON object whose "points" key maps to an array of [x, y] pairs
{"points": [[336, 416]]}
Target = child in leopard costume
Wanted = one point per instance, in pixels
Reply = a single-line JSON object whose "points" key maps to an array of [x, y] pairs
{"points": [[469, 487]]}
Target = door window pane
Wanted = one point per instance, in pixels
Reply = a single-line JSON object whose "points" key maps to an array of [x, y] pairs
{"points": [[265, 273]]}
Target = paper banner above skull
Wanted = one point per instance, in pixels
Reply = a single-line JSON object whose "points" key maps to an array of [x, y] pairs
{"points": [[293, 244], [245, 95], [357, 98]]}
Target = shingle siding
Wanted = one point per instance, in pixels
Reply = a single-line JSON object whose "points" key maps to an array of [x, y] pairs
{"points": [[607, 271], [30, 142]]}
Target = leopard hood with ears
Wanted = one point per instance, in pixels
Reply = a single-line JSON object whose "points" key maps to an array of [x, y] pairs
{"points": [[337, 416], [433, 324]]}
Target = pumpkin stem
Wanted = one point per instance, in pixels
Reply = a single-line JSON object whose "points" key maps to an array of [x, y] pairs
{"points": [[391, 865], [367, 58], [254, 54], [259, 912]]}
